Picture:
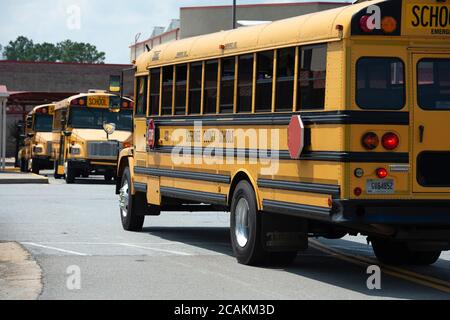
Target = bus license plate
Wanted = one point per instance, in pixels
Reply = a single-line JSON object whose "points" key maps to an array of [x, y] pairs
{"points": [[98, 101], [380, 186]]}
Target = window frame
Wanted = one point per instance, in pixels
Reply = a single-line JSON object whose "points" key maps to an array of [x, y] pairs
{"points": [[137, 95], [417, 84], [404, 82]]}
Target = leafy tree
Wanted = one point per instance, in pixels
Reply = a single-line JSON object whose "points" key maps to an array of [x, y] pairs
{"points": [[80, 52], [47, 52], [23, 49]]}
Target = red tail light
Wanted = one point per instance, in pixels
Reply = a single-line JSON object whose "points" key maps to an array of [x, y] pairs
{"points": [[151, 134], [357, 191], [390, 141], [382, 173], [370, 141]]}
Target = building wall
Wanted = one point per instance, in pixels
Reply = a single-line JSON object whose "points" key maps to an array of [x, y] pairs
{"points": [[54, 77], [202, 20], [60, 77]]}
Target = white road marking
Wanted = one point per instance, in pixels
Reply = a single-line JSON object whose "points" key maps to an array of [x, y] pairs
{"points": [[154, 249], [55, 249]]}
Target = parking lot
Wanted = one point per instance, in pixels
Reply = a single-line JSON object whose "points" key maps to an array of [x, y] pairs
{"points": [[182, 255]]}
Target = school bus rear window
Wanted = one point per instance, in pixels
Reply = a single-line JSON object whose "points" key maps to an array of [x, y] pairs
{"points": [[380, 83]]}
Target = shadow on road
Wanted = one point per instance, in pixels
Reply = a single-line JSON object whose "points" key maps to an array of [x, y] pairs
{"points": [[314, 264]]}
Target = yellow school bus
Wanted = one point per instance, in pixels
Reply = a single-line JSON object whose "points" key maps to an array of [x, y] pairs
{"points": [[89, 130], [36, 154], [322, 125]]}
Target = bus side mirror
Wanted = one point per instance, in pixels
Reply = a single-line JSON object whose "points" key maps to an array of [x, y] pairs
{"points": [[67, 133]]}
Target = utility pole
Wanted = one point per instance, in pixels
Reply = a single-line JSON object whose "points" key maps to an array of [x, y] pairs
{"points": [[234, 14]]}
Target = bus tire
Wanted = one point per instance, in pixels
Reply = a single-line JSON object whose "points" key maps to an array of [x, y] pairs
{"points": [[131, 221], [424, 258], [70, 174], [391, 252], [245, 226], [35, 167], [23, 165], [109, 176]]}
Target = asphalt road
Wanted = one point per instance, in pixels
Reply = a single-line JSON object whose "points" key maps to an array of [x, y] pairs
{"points": [[182, 255]]}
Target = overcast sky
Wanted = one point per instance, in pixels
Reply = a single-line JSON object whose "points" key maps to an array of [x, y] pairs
{"points": [[111, 25]]}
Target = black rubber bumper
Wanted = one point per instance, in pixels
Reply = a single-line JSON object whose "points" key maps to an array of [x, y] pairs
{"points": [[392, 212]]}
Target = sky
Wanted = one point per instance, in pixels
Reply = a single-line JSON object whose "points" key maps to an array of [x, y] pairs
{"points": [[111, 25]]}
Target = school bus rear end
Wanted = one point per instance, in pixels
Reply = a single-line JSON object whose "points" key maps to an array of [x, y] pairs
{"points": [[373, 160]]}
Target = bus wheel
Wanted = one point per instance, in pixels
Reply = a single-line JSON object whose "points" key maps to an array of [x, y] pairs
{"points": [[35, 167], [70, 173], [108, 176], [391, 252], [245, 226], [23, 165], [424, 258], [131, 221]]}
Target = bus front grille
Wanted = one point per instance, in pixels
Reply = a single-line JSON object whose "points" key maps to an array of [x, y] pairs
{"points": [[103, 150]]}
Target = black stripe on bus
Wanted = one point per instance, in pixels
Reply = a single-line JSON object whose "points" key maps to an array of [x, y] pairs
{"points": [[309, 118], [209, 177], [319, 188], [332, 156], [297, 210], [196, 196], [140, 187]]}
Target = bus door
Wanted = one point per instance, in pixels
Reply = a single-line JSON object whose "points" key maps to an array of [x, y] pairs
{"points": [[431, 125]]}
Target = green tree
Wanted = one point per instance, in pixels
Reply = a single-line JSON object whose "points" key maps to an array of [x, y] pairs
{"points": [[80, 52], [47, 52], [22, 49]]}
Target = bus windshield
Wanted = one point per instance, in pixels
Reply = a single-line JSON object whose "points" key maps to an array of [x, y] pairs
{"points": [[94, 118], [43, 123]]}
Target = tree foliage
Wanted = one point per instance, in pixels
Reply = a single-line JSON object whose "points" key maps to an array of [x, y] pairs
{"points": [[24, 49]]}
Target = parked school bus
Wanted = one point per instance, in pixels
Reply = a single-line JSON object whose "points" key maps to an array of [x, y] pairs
{"points": [[89, 130], [322, 125], [36, 154]]}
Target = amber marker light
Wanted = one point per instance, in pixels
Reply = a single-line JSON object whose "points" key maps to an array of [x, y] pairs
{"points": [[389, 24]]}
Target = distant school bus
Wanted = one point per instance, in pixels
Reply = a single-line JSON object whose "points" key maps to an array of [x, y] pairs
{"points": [[36, 154], [323, 125], [89, 130]]}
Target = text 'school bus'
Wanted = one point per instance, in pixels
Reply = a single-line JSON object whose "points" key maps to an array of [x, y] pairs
{"points": [[36, 154], [89, 130], [326, 124]]}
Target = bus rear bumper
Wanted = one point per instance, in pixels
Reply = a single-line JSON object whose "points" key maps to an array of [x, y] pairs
{"points": [[392, 212]]}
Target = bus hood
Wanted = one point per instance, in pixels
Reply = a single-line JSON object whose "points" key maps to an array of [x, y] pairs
{"points": [[99, 135], [43, 137]]}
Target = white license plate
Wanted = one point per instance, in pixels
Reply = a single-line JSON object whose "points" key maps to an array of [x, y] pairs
{"points": [[380, 186]]}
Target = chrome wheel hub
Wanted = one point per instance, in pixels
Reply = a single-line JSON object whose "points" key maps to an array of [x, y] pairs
{"points": [[241, 222], [123, 199]]}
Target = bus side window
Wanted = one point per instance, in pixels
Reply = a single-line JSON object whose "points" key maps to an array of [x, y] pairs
{"points": [[141, 96], [211, 72], [167, 95], [227, 85], [195, 87], [285, 79], [180, 89], [312, 77], [245, 84], [155, 82], [264, 81]]}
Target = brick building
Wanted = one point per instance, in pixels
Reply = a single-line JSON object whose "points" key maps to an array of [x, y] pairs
{"points": [[34, 83]]}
